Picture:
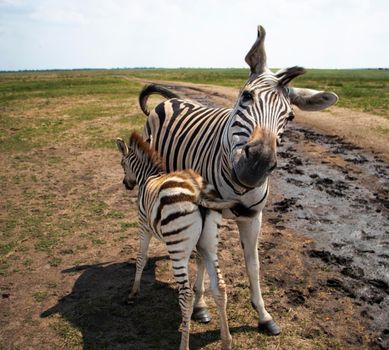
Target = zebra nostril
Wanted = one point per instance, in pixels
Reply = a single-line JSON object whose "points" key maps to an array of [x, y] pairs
{"points": [[246, 151], [273, 167]]}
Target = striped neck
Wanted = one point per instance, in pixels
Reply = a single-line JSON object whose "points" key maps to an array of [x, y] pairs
{"points": [[142, 160]]}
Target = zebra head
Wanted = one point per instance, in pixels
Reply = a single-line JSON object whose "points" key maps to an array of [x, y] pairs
{"points": [[261, 113], [129, 180]]}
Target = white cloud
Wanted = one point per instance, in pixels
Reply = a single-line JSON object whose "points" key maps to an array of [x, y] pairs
{"points": [[57, 16], [207, 33]]}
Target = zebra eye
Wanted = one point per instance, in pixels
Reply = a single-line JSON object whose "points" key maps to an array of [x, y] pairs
{"points": [[290, 116], [246, 98]]}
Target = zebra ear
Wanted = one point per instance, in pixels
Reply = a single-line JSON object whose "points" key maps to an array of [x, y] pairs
{"points": [[284, 76], [122, 147], [312, 100], [256, 57]]}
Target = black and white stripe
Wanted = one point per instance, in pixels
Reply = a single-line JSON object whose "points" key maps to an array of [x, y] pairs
{"points": [[215, 142], [180, 209]]}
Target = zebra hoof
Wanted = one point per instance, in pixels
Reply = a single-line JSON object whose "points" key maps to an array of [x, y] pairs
{"points": [[201, 315], [132, 299], [269, 328]]}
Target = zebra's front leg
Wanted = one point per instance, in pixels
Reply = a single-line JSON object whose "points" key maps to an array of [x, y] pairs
{"points": [[249, 232], [200, 311], [144, 240]]}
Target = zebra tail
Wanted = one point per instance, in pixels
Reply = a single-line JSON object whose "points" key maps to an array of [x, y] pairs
{"points": [[150, 90]]}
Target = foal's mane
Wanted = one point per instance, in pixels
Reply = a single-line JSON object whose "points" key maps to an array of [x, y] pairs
{"points": [[137, 144]]}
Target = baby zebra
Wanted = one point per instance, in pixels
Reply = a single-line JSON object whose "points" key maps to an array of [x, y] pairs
{"points": [[180, 209]]}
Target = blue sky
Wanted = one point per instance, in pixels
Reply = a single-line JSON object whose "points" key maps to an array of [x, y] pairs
{"points": [[48, 34]]}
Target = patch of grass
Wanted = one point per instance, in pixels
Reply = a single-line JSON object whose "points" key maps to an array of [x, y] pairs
{"points": [[137, 120], [58, 103], [19, 86], [127, 225], [47, 243], [70, 335], [52, 285], [97, 241], [116, 214], [4, 267], [382, 130], [54, 262], [6, 248], [97, 207], [7, 228], [40, 296], [31, 133], [77, 262], [27, 262], [98, 142], [93, 110]]}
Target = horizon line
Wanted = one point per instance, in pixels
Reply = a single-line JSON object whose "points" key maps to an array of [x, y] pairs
{"points": [[165, 68]]}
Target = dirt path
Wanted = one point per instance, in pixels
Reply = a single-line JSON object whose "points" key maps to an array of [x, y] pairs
{"points": [[362, 129], [331, 190]]}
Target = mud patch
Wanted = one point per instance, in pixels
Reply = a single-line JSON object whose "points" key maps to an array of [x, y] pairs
{"points": [[342, 195]]}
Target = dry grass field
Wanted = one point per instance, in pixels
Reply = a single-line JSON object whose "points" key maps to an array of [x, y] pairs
{"points": [[68, 236]]}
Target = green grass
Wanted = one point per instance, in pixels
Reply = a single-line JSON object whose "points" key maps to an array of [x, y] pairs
{"points": [[37, 109], [367, 90], [70, 335], [21, 86], [40, 296]]}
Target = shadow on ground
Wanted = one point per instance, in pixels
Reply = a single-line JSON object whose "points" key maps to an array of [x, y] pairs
{"points": [[97, 307]]}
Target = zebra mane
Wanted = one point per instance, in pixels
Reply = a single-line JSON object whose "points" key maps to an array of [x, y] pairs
{"points": [[143, 149]]}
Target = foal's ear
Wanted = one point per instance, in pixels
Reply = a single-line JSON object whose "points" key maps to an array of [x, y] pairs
{"points": [[122, 147], [311, 100]]}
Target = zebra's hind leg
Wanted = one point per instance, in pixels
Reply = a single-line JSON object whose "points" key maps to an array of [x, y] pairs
{"points": [[207, 247], [144, 241], [200, 311]]}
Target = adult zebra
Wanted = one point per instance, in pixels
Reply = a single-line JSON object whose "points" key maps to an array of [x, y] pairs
{"points": [[233, 149]]}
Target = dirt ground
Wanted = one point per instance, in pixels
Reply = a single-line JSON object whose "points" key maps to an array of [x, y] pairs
{"points": [[74, 296]]}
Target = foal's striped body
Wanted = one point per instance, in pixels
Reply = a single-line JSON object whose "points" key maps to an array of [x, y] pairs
{"points": [[178, 208]]}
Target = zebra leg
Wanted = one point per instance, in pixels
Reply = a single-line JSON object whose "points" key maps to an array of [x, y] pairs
{"points": [[249, 232], [144, 240], [200, 311], [185, 298], [207, 247]]}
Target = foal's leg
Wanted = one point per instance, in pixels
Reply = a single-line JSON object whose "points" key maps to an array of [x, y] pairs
{"points": [[180, 246], [207, 247], [144, 240], [200, 311], [185, 297]]}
